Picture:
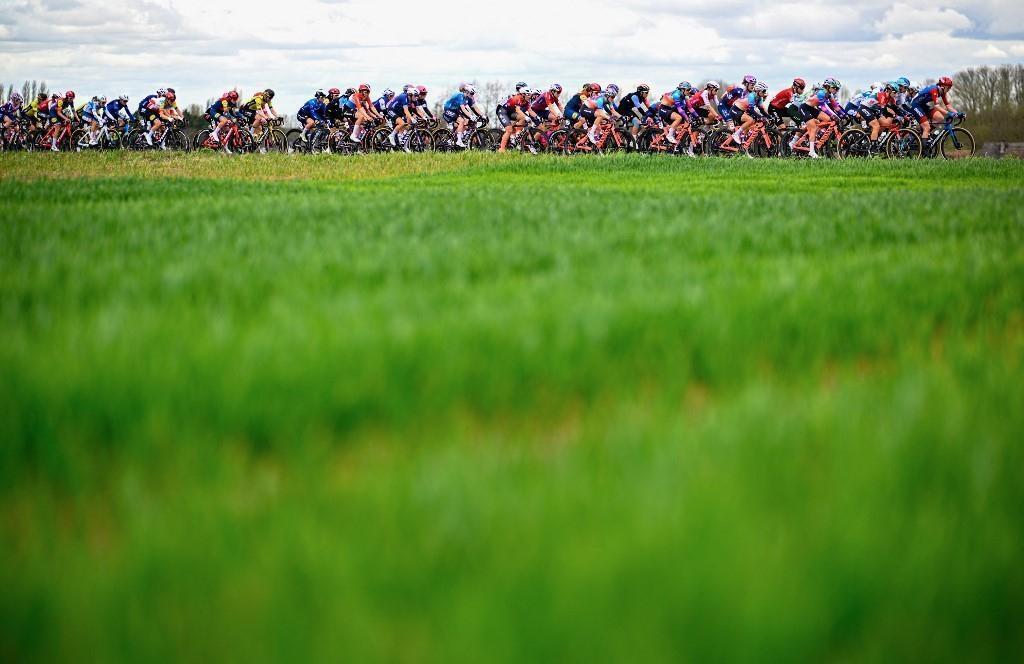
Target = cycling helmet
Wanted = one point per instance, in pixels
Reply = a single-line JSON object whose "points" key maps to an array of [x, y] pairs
{"points": [[422, 90], [102, 99], [799, 83], [946, 82], [643, 87], [914, 86], [334, 92], [903, 82], [407, 87], [874, 86], [832, 83], [42, 95], [349, 92], [761, 87], [712, 85], [413, 92], [815, 87], [556, 88], [612, 90], [520, 86], [123, 98], [170, 90], [319, 94], [469, 89], [749, 79], [70, 94], [233, 96], [891, 86], [160, 92], [16, 98], [171, 96], [388, 93], [684, 86], [364, 87], [595, 87]]}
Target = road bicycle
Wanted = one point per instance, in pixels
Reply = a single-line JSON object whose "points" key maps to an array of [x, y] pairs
{"points": [[761, 141], [107, 138], [168, 136]]}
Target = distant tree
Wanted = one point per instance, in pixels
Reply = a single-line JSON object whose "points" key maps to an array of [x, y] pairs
{"points": [[993, 98]]}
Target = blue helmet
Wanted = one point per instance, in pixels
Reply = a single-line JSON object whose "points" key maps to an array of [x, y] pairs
{"points": [[903, 82]]}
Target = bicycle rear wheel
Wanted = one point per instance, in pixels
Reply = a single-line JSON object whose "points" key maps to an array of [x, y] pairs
{"points": [[854, 143], [957, 144]]}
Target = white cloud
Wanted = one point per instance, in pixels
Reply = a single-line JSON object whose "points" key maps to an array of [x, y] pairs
{"points": [[902, 18], [792, 20], [990, 51]]}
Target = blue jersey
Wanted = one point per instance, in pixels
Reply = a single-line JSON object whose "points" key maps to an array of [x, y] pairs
{"points": [[114, 108], [381, 105], [456, 102], [928, 95], [399, 103], [348, 103], [572, 107], [145, 102], [93, 108], [314, 109]]}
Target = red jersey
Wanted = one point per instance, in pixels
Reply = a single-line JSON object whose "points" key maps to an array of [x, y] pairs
{"points": [[783, 99]]}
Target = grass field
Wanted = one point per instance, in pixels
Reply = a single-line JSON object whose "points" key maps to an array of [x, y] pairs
{"points": [[466, 407]]}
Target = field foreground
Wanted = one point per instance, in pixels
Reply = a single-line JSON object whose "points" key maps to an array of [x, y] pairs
{"points": [[467, 407]]}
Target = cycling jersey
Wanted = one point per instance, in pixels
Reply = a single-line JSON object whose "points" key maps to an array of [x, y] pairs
{"points": [[117, 109], [148, 103], [221, 107], [9, 110], [396, 107], [361, 100], [675, 99], [517, 100], [61, 105], [928, 96], [314, 109], [572, 107], [783, 99], [545, 100], [422, 104], [599, 103], [336, 109], [456, 102], [632, 104], [93, 110], [256, 103]]}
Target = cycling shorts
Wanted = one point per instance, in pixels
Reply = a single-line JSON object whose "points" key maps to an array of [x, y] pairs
{"points": [[665, 113], [921, 112], [503, 116]]}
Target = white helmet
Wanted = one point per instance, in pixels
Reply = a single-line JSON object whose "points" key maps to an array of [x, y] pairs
{"points": [[712, 85], [760, 87], [469, 89]]}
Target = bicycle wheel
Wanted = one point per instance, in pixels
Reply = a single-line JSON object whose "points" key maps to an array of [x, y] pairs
{"points": [[80, 140], [444, 140], [716, 142], [957, 144], [854, 143], [243, 142], [276, 141], [421, 141], [904, 144], [176, 140], [199, 140], [481, 140]]}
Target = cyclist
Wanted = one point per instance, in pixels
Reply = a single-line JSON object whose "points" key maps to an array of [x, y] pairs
{"points": [[634, 106], [512, 113], [149, 112], [365, 112], [457, 109], [600, 109], [734, 93], [571, 112], [10, 111], [94, 113], [782, 105], [336, 109], [703, 105], [818, 107], [169, 110], [61, 109], [259, 110], [312, 112], [749, 109], [381, 105], [116, 110], [421, 107], [400, 112], [221, 112], [547, 107], [932, 102], [674, 109], [37, 110]]}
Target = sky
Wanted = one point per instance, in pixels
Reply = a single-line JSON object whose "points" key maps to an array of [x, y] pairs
{"points": [[203, 47]]}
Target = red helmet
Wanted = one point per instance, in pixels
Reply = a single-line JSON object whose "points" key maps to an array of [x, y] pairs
{"points": [[233, 96], [334, 91], [799, 83], [364, 87], [946, 82], [595, 87], [71, 94], [423, 90]]}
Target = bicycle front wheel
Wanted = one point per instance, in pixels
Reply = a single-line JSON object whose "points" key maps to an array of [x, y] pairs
{"points": [[854, 143], [957, 144]]}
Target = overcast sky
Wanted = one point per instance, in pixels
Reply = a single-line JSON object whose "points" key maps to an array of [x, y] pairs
{"points": [[202, 47]]}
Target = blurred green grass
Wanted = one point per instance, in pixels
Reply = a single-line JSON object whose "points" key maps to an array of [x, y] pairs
{"points": [[465, 407]]}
